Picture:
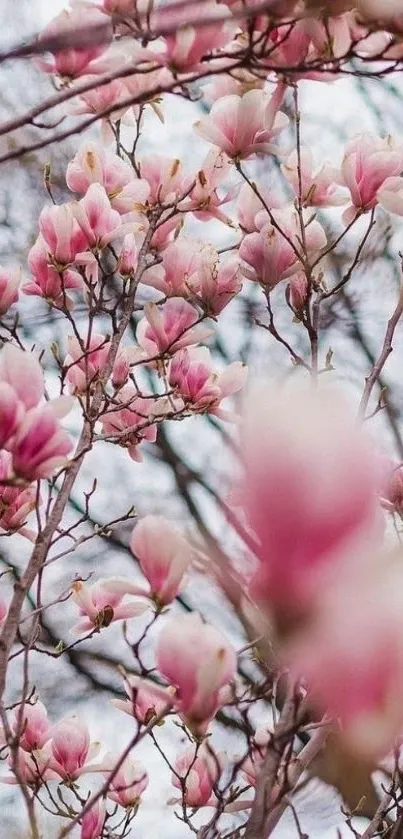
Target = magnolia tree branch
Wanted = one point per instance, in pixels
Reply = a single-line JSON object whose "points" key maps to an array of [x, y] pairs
{"points": [[386, 351]]}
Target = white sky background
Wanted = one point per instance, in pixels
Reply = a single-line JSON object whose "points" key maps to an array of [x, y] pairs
{"points": [[327, 106]]}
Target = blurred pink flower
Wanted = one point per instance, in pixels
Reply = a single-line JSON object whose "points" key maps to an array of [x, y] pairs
{"points": [[310, 491], [93, 821], [73, 61]]}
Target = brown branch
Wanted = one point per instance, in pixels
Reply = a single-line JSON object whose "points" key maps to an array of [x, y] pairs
{"points": [[386, 351]]}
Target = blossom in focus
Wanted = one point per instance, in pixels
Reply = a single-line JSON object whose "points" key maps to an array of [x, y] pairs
{"points": [[47, 281], [215, 283], [69, 750], [10, 281], [204, 200], [318, 188], [61, 233], [368, 162], [144, 702], [95, 164], [165, 177], [96, 218], [84, 366], [131, 420], [199, 661], [200, 388], [242, 126], [167, 328], [103, 602], [275, 254], [249, 206], [127, 786], [310, 492], [32, 725], [201, 770], [180, 260], [164, 556]]}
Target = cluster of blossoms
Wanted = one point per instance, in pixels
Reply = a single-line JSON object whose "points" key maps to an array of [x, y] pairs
{"points": [[129, 249]]}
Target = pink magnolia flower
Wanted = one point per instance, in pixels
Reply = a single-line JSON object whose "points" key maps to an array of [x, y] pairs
{"points": [[351, 656], [273, 255], [48, 282], [390, 195], [204, 200], [125, 359], [180, 260], [187, 45], [33, 768], [69, 750], [103, 602], [101, 99], [128, 784], [167, 181], [164, 556], [23, 372], [298, 290], [128, 257], [242, 126], [368, 162], [80, 18], [310, 492], [201, 771], [249, 206], [3, 610], [392, 489], [96, 218], [166, 232], [93, 822], [11, 413], [95, 164], [62, 235], [84, 366], [215, 283], [40, 446], [144, 701], [199, 661], [166, 329], [10, 281], [131, 420], [318, 189], [288, 49], [33, 726], [197, 384], [16, 503]]}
